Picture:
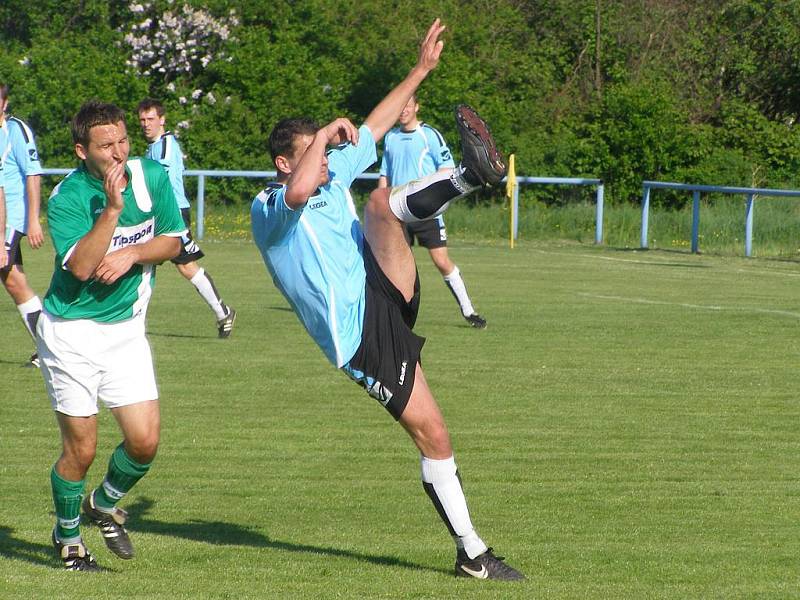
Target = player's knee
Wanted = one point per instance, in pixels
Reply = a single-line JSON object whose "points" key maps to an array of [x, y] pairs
{"points": [[378, 204], [143, 450], [17, 286], [78, 457]]}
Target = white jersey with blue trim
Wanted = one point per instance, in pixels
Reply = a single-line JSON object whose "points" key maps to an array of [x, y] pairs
{"points": [[167, 151], [20, 160], [315, 253], [411, 155]]}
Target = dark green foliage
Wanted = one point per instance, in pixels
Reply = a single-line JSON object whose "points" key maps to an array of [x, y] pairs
{"points": [[627, 90]]}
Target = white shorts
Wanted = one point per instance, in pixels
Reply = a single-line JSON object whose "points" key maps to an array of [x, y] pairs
{"points": [[83, 360]]}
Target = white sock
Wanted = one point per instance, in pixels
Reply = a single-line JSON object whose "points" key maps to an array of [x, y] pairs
{"points": [[30, 311], [456, 285], [428, 197], [441, 482], [205, 286]]}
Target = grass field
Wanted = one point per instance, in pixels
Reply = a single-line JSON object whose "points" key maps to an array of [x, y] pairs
{"points": [[626, 427]]}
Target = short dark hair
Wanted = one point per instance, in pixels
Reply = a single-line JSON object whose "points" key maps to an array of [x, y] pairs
{"points": [[92, 114], [281, 140], [149, 103], [3, 91]]}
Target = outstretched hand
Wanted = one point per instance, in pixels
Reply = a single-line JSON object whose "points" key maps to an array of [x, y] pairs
{"points": [[431, 47]]}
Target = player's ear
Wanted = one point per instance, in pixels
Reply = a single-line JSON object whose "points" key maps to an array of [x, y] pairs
{"points": [[80, 151], [283, 165]]}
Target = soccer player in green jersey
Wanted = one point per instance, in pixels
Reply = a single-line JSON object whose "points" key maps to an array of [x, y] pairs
{"points": [[111, 220]]}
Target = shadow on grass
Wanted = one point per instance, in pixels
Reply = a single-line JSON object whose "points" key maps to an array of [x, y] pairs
{"points": [[219, 532], [180, 335], [17, 549]]}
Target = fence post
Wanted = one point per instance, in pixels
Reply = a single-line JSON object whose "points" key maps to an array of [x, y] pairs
{"points": [[598, 224], [516, 209], [695, 220], [645, 215], [201, 205], [748, 225]]}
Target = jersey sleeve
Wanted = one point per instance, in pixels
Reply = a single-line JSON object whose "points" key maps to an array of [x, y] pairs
{"points": [[348, 161], [68, 221], [24, 149], [385, 163], [442, 157], [386, 159], [272, 220]]}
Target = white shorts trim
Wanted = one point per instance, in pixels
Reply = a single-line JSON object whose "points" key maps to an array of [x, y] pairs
{"points": [[83, 360]]}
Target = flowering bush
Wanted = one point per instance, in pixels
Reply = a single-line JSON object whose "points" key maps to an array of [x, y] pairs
{"points": [[176, 45]]}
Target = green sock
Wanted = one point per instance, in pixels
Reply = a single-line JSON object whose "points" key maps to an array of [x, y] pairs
{"points": [[67, 500], [123, 473]]}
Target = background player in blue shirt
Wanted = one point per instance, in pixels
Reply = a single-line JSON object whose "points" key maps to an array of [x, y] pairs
{"points": [[356, 291], [164, 148], [3, 253], [22, 186], [411, 151]]}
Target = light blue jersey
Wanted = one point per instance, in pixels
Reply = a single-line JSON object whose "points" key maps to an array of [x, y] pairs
{"points": [[315, 253], [167, 151], [20, 160], [411, 155], [3, 144]]}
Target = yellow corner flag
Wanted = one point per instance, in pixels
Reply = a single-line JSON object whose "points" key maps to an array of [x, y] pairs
{"points": [[511, 185]]}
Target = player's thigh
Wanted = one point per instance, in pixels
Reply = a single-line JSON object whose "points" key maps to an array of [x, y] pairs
{"points": [[128, 376], [67, 360], [386, 237]]}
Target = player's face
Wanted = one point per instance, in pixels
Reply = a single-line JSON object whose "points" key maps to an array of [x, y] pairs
{"points": [[152, 124], [301, 144], [409, 114], [108, 145]]}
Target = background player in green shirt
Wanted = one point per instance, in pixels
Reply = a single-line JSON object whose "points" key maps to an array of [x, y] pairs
{"points": [[111, 220]]}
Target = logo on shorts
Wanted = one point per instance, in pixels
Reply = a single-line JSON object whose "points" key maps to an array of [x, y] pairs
{"points": [[380, 393], [403, 372]]}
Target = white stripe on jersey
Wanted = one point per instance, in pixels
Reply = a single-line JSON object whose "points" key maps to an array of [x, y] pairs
{"points": [[140, 191], [312, 236]]}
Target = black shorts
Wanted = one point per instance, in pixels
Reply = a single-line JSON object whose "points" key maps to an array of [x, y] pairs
{"points": [[190, 251], [385, 362], [429, 234], [13, 249]]}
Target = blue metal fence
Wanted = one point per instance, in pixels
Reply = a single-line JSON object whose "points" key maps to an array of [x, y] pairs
{"points": [[201, 175], [749, 194], [599, 196]]}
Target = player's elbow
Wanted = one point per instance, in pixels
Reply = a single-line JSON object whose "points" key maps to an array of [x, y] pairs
{"points": [[80, 273]]}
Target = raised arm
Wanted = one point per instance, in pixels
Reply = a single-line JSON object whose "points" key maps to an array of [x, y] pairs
{"points": [[385, 115], [306, 176]]}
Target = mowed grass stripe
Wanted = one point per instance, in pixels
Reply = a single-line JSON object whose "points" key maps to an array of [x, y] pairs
{"points": [[609, 447]]}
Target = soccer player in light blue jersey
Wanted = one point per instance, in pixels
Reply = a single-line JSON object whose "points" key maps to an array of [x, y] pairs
{"points": [[164, 148], [3, 253], [22, 186], [356, 291], [411, 151]]}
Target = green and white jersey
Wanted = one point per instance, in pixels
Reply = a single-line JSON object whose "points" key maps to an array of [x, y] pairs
{"points": [[74, 206]]}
